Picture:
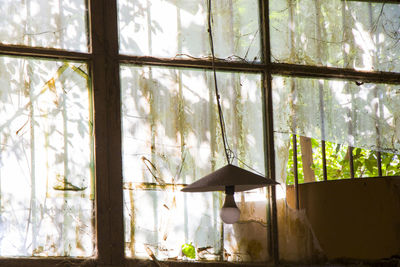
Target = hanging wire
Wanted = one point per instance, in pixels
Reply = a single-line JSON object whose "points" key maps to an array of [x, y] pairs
{"points": [[228, 152]]}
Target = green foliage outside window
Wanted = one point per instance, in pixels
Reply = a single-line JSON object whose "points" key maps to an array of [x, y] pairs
{"points": [[338, 162]]}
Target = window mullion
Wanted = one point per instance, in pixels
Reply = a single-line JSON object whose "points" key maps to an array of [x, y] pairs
{"points": [[197, 63], [107, 118], [268, 127], [48, 53], [309, 71]]}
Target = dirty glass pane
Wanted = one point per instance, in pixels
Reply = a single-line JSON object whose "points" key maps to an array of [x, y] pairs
{"points": [[44, 23], [350, 34], [46, 177], [390, 164], [246, 241], [164, 220], [310, 161], [171, 137], [165, 28], [343, 112], [365, 163]]}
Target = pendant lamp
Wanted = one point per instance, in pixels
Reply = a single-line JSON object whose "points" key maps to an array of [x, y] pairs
{"points": [[229, 178]]}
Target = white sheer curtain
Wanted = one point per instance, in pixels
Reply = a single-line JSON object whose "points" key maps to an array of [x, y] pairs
{"points": [[365, 116]]}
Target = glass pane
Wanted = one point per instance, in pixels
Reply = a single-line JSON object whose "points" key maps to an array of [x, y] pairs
{"points": [[390, 164], [169, 218], [45, 23], [337, 161], [246, 241], [365, 163], [350, 34], [165, 28], [171, 137], [310, 161], [342, 112], [46, 175]]}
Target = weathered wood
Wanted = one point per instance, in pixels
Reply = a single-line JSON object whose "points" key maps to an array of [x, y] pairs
{"points": [[284, 69], [376, 1], [49, 53], [307, 159], [269, 137], [191, 62], [149, 263], [349, 155], [270, 148], [103, 223], [335, 73], [295, 171], [47, 262], [324, 168], [251, 67], [379, 162], [107, 121]]}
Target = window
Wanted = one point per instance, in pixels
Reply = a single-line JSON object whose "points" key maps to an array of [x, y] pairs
{"points": [[107, 110], [356, 122], [49, 24], [46, 122], [345, 128], [170, 128], [170, 133]]}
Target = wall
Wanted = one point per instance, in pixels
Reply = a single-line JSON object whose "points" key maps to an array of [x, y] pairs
{"points": [[344, 219]]}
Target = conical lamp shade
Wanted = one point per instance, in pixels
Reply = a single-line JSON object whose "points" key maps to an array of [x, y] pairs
{"points": [[229, 175]]}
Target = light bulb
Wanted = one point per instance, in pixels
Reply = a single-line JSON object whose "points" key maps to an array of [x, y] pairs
{"points": [[229, 212]]}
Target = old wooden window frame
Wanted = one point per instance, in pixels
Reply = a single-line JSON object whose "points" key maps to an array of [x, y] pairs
{"points": [[104, 60]]}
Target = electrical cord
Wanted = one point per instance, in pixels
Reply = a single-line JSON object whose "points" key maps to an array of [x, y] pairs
{"points": [[228, 152]]}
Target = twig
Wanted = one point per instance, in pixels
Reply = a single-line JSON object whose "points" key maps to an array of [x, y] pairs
{"points": [[153, 257]]}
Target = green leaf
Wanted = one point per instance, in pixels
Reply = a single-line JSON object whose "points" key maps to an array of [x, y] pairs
{"points": [[356, 165], [314, 143], [370, 165], [313, 166], [189, 251], [344, 162], [337, 149]]}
